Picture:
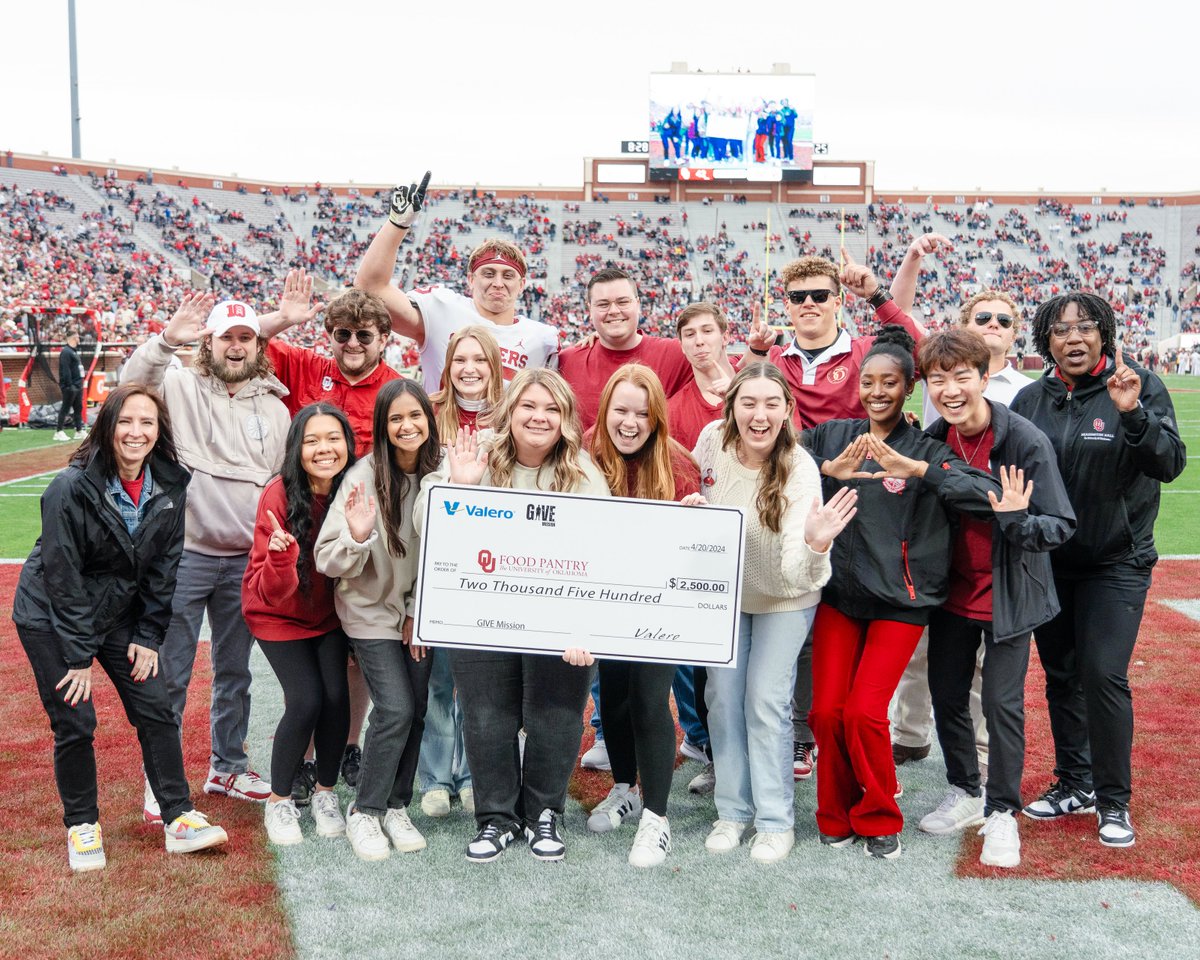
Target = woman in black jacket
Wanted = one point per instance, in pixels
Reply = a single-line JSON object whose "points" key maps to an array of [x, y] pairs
{"points": [[1112, 426], [98, 586], [890, 569]]}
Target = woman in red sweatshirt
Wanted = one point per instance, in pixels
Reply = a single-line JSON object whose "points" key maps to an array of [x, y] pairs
{"points": [[288, 606]]}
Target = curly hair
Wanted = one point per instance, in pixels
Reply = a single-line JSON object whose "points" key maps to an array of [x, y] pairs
{"points": [[357, 309], [771, 501], [564, 458], [807, 267], [964, 314], [1090, 307]]}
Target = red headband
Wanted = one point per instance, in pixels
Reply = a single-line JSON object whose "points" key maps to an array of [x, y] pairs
{"points": [[497, 258]]}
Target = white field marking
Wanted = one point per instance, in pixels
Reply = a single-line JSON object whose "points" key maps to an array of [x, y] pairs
{"points": [[1189, 608], [9, 561], [32, 476], [1180, 556], [20, 494], [1179, 491]]}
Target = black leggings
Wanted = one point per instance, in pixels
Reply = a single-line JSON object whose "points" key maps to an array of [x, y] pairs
{"points": [[316, 705], [638, 727]]}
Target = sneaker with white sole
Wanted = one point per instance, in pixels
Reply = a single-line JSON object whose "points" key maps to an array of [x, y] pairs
{"points": [[489, 843], [283, 822], [545, 842], [436, 803], [1001, 840], [466, 796], [882, 848], [622, 803], [400, 830], [327, 814], [191, 831], [80, 434], [366, 835], [726, 835], [705, 782], [85, 848], [1059, 801], [692, 751], [652, 842], [240, 786], [957, 811], [1116, 829], [804, 755], [61, 437], [771, 847], [597, 757], [150, 810]]}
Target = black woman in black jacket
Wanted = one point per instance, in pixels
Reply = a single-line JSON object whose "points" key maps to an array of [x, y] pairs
{"points": [[890, 570], [1112, 426], [98, 587]]}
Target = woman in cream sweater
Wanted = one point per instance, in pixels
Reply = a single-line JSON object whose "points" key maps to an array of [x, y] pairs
{"points": [[751, 459]]}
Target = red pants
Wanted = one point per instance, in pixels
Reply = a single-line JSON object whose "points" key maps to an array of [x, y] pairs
{"points": [[760, 148], [856, 666]]}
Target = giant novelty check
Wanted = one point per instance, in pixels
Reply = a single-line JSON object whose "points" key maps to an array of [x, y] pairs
{"points": [[533, 572]]}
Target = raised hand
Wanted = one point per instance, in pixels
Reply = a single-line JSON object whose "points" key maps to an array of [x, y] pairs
{"points": [[190, 321], [894, 464], [360, 513], [407, 202], [856, 278], [761, 336], [296, 306], [1014, 491], [848, 464], [929, 243], [467, 463], [1124, 386], [280, 539], [825, 522]]}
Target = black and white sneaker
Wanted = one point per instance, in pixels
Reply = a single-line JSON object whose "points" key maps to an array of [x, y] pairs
{"points": [[1059, 801], [351, 763], [304, 784], [488, 844], [1116, 829], [833, 840], [883, 848], [544, 840]]}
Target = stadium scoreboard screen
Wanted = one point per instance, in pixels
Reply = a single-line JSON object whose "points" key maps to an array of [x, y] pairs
{"points": [[715, 127]]}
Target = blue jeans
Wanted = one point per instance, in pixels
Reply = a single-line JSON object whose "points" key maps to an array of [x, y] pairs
{"points": [[684, 688], [213, 584], [750, 721], [443, 762], [597, 725]]}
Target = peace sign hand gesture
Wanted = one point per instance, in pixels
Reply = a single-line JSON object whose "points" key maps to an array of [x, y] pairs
{"points": [[1124, 386], [468, 463], [280, 540], [1015, 492]]}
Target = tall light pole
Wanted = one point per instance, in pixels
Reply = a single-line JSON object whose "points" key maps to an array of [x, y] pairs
{"points": [[74, 81]]}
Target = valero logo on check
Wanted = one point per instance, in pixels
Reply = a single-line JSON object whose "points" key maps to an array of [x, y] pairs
{"points": [[454, 507]]}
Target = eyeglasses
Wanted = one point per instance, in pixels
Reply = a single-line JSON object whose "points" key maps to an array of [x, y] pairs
{"points": [[1063, 330], [343, 335], [818, 296], [983, 318], [624, 303]]}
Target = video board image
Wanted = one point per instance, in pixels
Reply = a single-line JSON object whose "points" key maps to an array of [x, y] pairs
{"points": [[731, 126]]}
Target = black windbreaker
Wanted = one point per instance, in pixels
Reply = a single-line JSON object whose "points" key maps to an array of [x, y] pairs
{"points": [[87, 576], [1112, 463], [1023, 595], [892, 562]]}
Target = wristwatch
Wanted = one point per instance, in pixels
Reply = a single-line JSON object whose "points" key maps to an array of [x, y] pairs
{"points": [[879, 297]]}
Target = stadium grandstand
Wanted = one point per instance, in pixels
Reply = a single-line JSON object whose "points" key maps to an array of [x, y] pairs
{"points": [[126, 243]]}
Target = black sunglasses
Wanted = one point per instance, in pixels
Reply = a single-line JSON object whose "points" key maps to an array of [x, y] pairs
{"points": [[342, 335], [818, 296], [984, 318]]}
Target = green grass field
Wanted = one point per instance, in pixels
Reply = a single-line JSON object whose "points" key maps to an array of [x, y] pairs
{"points": [[13, 440]]}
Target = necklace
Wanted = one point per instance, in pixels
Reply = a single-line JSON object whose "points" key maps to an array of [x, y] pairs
{"points": [[963, 449]]}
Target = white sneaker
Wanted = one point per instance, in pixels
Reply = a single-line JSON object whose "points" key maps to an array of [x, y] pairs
{"points": [[80, 434], [726, 835], [60, 436], [283, 823], [435, 803], [85, 848], [622, 803], [400, 830], [466, 796], [366, 836], [652, 842], [327, 814], [150, 811], [957, 811], [689, 751], [240, 786], [1001, 840], [771, 847], [597, 757], [191, 831]]}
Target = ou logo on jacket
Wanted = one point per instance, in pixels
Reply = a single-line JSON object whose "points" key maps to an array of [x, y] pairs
{"points": [[894, 484], [837, 375], [487, 563], [327, 383], [1098, 425]]}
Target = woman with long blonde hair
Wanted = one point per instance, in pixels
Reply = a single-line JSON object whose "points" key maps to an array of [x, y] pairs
{"points": [[472, 387], [631, 444], [537, 446], [751, 459]]}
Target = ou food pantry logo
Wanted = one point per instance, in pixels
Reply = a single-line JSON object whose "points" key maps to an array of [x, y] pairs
{"points": [[487, 562], [837, 375], [454, 507], [1098, 425]]}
